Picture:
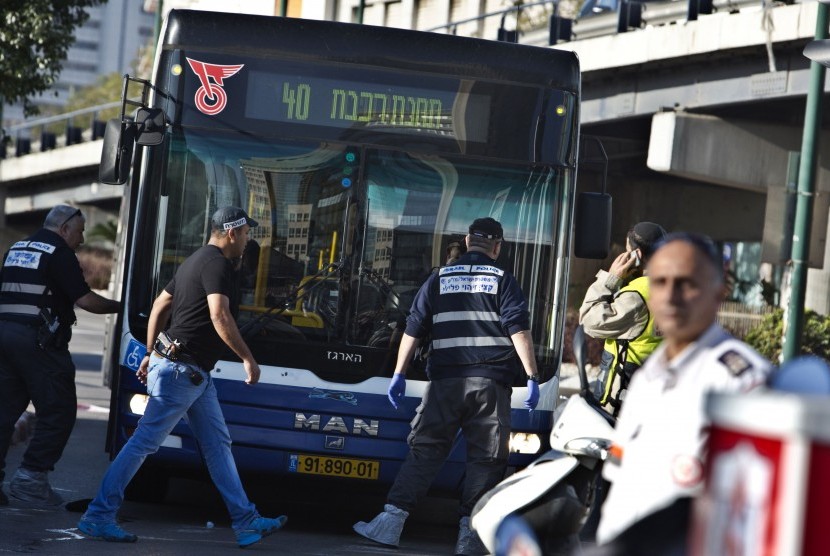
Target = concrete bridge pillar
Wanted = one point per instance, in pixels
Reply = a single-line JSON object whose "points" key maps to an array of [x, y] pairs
{"points": [[751, 156]]}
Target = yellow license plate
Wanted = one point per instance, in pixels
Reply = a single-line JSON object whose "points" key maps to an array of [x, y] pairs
{"points": [[334, 467]]}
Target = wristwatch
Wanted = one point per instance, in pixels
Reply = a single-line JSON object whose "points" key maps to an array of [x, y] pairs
{"points": [[534, 378]]}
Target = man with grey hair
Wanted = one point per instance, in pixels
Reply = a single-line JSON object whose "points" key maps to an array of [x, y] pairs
{"points": [[40, 283]]}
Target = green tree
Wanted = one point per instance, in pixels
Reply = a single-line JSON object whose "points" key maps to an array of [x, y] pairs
{"points": [[104, 231], [35, 36], [107, 88], [766, 336]]}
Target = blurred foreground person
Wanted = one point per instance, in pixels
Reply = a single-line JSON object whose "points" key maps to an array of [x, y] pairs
{"points": [[657, 468]]}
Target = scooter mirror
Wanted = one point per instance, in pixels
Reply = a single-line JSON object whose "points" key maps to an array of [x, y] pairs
{"points": [[580, 353], [595, 448]]}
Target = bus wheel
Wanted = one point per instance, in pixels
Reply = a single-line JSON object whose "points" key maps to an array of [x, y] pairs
{"points": [[148, 485]]}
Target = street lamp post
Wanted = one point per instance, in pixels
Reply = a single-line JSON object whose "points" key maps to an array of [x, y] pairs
{"points": [[819, 52]]}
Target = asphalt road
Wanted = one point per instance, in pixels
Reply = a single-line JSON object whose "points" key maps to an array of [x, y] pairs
{"points": [[320, 517]]}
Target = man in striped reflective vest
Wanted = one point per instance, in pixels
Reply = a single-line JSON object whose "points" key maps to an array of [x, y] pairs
{"points": [[480, 326], [40, 283]]}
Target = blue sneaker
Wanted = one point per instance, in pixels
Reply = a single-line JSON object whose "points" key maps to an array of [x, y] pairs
{"points": [[110, 532], [259, 527]]}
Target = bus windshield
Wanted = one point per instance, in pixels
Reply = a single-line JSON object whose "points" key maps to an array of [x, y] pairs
{"points": [[347, 235]]}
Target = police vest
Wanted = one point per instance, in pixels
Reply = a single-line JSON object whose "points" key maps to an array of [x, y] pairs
{"points": [[466, 322], [24, 288], [640, 347]]}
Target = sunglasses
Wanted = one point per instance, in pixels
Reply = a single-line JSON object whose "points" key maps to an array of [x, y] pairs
{"points": [[71, 216], [486, 236]]}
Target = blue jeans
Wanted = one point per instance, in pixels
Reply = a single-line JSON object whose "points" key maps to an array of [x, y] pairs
{"points": [[172, 395]]}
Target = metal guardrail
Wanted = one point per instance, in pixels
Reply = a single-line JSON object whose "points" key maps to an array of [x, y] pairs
{"points": [[650, 14], [739, 318], [68, 116], [653, 14], [638, 15], [453, 25], [35, 136]]}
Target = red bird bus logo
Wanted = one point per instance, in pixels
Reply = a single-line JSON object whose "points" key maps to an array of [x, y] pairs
{"points": [[211, 97]]}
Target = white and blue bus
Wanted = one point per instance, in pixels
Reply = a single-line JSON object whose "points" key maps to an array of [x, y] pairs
{"points": [[364, 152]]}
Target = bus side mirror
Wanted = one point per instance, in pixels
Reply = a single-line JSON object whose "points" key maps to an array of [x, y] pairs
{"points": [[150, 126], [592, 225], [119, 139], [592, 216]]}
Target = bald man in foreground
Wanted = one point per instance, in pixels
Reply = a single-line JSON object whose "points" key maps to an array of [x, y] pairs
{"points": [[663, 426]]}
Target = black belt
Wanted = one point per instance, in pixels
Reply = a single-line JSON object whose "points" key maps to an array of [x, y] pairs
{"points": [[181, 357], [21, 319], [193, 375]]}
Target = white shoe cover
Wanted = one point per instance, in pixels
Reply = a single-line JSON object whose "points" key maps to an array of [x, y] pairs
{"points": [[386, 528]]}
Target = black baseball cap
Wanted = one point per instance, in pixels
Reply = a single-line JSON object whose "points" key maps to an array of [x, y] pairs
{"points": [[228, 218], [487, 228]]}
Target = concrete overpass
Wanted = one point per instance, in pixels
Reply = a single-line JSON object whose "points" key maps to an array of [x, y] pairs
{"points": [[698, 118], [30, 185]]}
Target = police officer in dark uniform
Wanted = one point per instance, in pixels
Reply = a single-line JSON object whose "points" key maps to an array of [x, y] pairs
{"points": [[479, 322], [40, 282]]}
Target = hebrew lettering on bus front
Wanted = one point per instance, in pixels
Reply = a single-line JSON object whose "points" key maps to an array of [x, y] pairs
{"points": [[368, 107]]}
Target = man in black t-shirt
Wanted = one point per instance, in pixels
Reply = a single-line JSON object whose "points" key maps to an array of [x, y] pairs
{"points": [[41, 282], [176, 369], [203, 274]]}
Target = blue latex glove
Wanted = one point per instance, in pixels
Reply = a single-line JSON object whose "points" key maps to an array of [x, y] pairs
{"points": [[397, 388], [532, 394]]}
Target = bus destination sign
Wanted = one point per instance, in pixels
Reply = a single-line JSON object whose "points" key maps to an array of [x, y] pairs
{"points": [[380, 107]]}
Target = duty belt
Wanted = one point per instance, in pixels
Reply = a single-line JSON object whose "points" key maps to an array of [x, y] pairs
{"points": [[25, 320], [173, 350], [195, 376]]}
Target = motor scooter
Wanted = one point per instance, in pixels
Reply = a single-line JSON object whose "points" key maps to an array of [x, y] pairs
{"points": [[554, 495]]}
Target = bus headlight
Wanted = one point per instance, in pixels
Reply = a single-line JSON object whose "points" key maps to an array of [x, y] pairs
{"points": [[525, 443], [138, 403]]}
